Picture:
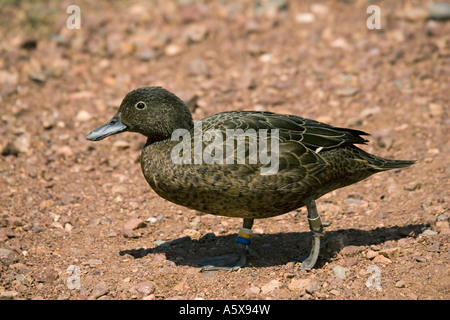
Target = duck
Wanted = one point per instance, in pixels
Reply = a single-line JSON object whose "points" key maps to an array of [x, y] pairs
{"points": [[244, 164]]}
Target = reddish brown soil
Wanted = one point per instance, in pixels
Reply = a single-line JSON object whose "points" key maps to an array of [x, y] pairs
{"points": [[66, 201]]}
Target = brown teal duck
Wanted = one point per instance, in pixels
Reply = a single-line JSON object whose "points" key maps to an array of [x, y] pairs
{"points": [[199, 166]]}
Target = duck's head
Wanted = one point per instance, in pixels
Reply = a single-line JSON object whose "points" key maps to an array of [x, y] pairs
{"points": [[151, 111]]}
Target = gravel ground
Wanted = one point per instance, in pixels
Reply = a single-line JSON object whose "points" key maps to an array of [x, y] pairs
{"points": [[78, 220]]}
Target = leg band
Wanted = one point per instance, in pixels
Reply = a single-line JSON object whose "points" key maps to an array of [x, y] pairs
{"points": [[244, 236]]}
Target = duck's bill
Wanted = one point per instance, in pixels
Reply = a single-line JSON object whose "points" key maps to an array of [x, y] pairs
{"points": [[114, 126]]}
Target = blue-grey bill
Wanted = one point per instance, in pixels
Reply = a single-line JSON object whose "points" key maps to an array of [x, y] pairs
{"points": [[114, 126]]}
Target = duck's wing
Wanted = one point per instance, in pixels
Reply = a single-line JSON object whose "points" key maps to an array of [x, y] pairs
{"points": [[301, 142], [312, 134]]}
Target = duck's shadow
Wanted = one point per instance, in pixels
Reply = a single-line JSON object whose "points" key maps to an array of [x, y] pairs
{"points": [[279, 248]]}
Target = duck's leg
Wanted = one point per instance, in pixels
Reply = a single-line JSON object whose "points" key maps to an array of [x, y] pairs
{"points": [[316, 226], [235, 260]]}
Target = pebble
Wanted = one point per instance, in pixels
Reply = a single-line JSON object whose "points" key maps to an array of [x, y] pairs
{"points": [[99, 290], [192, 233], [391, 253], [435, 109], [411, 186], [440, 11], [8, 257], [8, 295], [151, 220], [20, 144], [400, 284], [128, 233], [147, 54], [83, 116], [145, 288], [93, 262], [270, 286], [347, 91], [370, 254], [429, 232], [134, 224], [380, 259], [306, 17], [195, 33], [340, 272], [299, 284], [172, 49], [435, 247]]}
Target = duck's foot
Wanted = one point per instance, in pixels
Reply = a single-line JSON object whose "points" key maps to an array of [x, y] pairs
{"points": [[229, 262], [235, 260], [316, 226]]}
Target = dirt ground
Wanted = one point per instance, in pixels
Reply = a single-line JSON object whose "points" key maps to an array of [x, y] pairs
{"points": [[77, 218]]}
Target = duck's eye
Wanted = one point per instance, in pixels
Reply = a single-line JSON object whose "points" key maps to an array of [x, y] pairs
{"points": [[140, 105]]}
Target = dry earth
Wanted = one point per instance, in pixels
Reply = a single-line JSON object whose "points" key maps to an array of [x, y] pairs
{"points": [[65, 201]]}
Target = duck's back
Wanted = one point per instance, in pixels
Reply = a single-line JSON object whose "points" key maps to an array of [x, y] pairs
{"points": [[312, 159]]}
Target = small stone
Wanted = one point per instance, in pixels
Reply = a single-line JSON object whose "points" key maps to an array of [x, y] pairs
{"points": [[128, 233], [172, 49], [436, 110], [8, 257], [370, 254], [147, 54], [313, 286], [435, 247], [381, 259], [253, 290], [347, 91], [83, 116], [391, 253], [416, 14], [400, 284], [299, 284], [145, 288], [412, 186], [195, 33], [38, 76], [99, 290], [306, 17], [180, 286], [65, 151], [93, 262], [152, 220], [440, 11], [192, 233], [134, 224], [340, 272], [48, 275], [270, 286], [429, 232], [8, 295]]}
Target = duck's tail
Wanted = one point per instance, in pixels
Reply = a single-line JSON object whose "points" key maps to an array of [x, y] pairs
{"points": [[382, 164]]}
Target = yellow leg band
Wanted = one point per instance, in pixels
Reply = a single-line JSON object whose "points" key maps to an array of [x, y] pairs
{"points": [[245, 233]]}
